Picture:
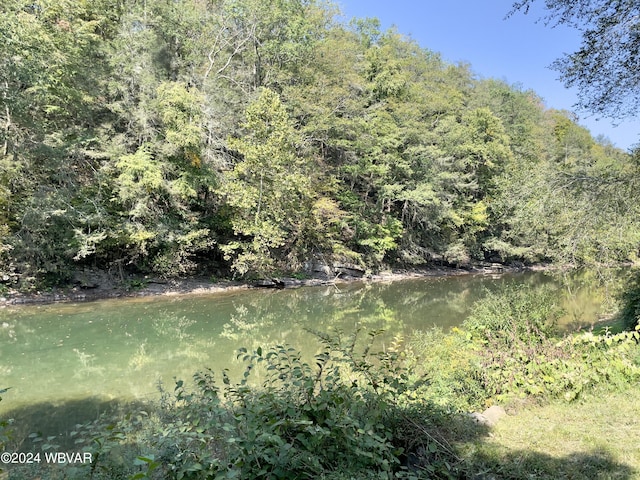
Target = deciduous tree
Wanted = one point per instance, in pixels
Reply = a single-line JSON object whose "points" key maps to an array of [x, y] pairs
{"points": [[605, 67]]}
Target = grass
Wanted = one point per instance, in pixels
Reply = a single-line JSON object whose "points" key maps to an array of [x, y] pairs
{"points": [[596, 437]]}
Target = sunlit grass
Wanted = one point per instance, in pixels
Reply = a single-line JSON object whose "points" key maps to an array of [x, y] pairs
{"points": [[596, 437]]}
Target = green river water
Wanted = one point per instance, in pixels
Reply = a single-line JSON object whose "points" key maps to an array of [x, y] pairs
{"points": [[76, 358]]}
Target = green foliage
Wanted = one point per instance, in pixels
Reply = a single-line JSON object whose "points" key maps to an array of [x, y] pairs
{"points": [[520, 355], [508, 350], [517, 314], [450, 364], [269, 189], [304, 422], [629, 312], [601, 68], [379, 239], [251, 136], [349, 413]]}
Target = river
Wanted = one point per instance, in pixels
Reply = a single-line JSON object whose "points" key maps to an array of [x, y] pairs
{"points": [[73, 359]]}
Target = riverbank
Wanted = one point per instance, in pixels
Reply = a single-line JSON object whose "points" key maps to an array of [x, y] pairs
{"points": [[92, 285]]}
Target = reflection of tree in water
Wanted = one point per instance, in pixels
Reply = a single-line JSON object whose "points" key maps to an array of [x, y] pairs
{"points": [[171, 325], [87, 368], [445, 302], [284, 317], [7, 334], [269, 318], [263, 319], [8, 330], [242, 323], [176, 341], [140, 358], [12, 330], [588, 296], [363, 308]]}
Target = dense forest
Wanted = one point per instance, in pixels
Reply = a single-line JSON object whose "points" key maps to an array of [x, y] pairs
{"points": [[176, 137]]}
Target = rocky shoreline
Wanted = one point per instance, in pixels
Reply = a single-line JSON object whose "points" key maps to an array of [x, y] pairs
{"points": [[98, 285]]}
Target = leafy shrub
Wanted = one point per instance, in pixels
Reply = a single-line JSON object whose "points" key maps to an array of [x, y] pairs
{"points": [[347, 414], [302, 423], [450, 365]]}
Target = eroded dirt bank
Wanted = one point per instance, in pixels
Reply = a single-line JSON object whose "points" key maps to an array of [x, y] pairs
{"points": [[100, 285]]}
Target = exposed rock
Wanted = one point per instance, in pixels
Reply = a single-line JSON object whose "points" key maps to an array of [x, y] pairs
{"points": [[489, 267], [493, 414], [90, 279], [315, 267], [291, 282], [268, 283], [349, 270], [489, 417], [479, 418]]}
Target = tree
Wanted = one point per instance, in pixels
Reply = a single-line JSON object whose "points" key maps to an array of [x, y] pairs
{"points": [[52, 59], [268, 191], [605, 67]]}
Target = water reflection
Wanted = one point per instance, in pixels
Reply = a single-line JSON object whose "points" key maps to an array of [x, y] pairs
{"points": [[120, 349]]}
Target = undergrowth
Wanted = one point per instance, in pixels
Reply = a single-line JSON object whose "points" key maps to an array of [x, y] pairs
{"points": [[509, 349], [357, 412], [347, 414]]}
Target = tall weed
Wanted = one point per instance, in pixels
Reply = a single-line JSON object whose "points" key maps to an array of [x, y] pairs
{"points": [[522, 354], [517, 314]]}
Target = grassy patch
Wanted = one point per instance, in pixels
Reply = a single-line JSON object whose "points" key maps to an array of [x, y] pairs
{"points": [[597, 437]]}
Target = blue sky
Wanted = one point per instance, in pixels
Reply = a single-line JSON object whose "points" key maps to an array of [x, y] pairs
{"points": [[518, 50]]}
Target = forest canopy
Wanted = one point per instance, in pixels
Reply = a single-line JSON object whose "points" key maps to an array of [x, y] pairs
{"points": [[174, 137]]}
